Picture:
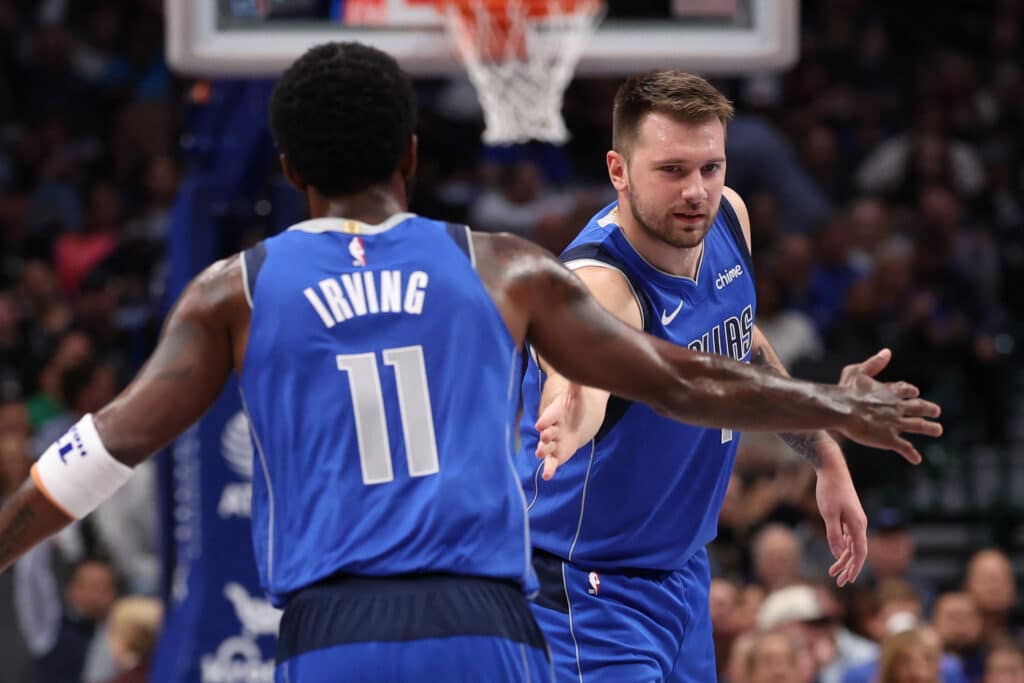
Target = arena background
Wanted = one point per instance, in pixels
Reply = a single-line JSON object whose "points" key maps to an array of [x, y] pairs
{"points": [[884, 174]]}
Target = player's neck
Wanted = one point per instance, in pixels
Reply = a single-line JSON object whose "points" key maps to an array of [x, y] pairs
{"points": [[373, 205], [679, 261]]}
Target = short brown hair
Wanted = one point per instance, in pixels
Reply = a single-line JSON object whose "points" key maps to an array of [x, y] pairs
{"points": [[685, 97]]}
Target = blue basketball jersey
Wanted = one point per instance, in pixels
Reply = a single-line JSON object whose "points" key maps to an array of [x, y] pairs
{"points": [[646, 492], [380, 382]]}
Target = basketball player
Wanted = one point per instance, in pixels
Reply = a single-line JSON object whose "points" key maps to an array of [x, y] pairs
{"points": [[619, 535], [376, 353]]}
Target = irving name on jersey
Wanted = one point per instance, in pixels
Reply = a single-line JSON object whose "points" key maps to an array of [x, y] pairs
{"points": [[351, 295]]}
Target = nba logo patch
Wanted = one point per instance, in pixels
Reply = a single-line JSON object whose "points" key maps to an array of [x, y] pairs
{"points": [[595, 583], [355, 247]]}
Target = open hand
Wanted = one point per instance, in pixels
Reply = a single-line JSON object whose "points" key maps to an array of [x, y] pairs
{"points": [[559, 430], [883, 411]]}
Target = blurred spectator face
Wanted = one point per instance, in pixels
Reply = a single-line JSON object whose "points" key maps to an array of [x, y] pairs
{"points": [[890, 553], [834, 243], [8, 320], [96, 305], [1005, 665], [73, 348], [13, 216], [821, 154], [659, 192], [940, 208], [162, 180], [911, 657], [15, 459], [132, 630], [929, 159], [869, 223], [751, 599], [14, 419], [523, 183], [861, 304], [40, 285], [769, 295], [723, 599], [104, 208], [990, 582], [739, 658], [795, 260], [899, 608], [894, 271], [957, 621], [776, 557], [100, 390], [772, 659], [92, 590], [764, 217]]}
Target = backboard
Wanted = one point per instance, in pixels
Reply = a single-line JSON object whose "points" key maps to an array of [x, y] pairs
{"points": [[261, 37]]}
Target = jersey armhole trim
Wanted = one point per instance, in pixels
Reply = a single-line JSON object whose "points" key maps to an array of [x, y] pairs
{"points": [[252, 262], [576, 264], [245, 280], [470, 247], [732, 221]]}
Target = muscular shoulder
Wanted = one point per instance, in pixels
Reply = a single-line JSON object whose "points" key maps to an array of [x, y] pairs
{"points": [[521, 274], [740, 207], [215, 299], [501, 255], [611, 288], [218, 287]]}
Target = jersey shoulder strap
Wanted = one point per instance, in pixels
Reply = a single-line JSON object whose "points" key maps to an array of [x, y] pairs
{"points": [[596, 254], [463, 238], [732, 221], [252, 261]]}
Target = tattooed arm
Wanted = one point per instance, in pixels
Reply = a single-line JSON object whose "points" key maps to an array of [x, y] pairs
{"points": [[838, 502], [187, 371], [817, 447], [179, 382], [543, 301]]}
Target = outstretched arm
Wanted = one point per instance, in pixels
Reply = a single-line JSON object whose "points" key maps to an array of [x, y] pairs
{"points": [[179, 382], [547, 304], [571, 414]]}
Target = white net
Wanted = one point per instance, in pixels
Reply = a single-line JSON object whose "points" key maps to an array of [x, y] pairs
{"points": [[521, 62]]}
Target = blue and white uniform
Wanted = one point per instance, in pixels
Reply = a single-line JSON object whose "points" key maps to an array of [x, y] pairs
{"points": [[381, 383], [620, 532]]}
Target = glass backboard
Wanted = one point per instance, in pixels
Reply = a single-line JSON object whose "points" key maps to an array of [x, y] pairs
{"points": [[261, 37]]}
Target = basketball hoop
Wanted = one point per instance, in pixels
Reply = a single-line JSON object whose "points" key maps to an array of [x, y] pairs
{"points": [[520, 56]]}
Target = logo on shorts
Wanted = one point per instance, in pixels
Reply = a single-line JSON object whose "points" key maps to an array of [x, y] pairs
{"points": [[595, 583], [355, 247]]}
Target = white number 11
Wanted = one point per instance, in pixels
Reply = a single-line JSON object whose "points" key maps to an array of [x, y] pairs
{"points": [[371, 423]]}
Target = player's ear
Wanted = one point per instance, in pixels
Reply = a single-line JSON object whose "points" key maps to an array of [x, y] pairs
{"points": [[407, 164], [291, 175], [617, 170]]}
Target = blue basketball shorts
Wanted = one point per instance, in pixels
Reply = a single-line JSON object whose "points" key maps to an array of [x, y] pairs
{"points": [[627, 626], [412, 628]]}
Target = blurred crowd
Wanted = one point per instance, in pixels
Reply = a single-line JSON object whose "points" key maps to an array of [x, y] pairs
{"points": [[884, 176]]}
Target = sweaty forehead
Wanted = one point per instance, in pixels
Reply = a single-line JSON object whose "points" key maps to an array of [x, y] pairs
{"points": [[663, 136]]}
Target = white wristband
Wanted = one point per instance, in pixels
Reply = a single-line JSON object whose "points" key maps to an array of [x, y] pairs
{"points": [[77, 473]]}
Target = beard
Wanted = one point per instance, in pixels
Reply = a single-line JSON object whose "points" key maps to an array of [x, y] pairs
{"points": [[664, 228]]}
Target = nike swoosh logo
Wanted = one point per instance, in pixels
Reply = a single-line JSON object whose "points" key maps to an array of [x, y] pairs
{"points": [[666, 318]]}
